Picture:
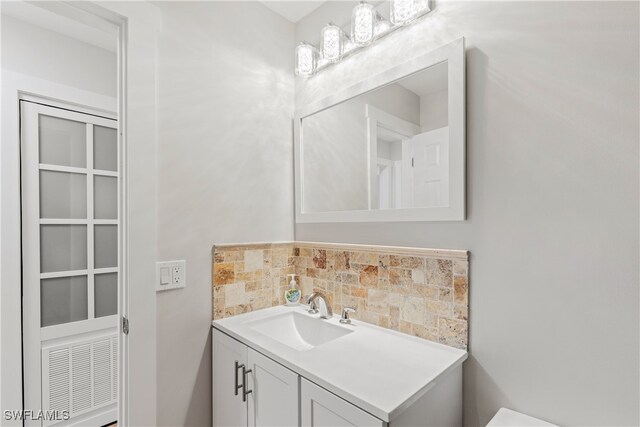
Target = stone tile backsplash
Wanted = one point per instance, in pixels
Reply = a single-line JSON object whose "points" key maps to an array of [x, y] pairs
{"points": [[422, 292]]}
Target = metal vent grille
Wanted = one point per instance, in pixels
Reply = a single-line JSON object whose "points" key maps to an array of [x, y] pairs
{"points": [[101, 372], [81, 376], [59, 380], [114, 362]]}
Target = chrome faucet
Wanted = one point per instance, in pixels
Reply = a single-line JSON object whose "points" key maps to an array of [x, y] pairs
{"points": [[318, 300]]}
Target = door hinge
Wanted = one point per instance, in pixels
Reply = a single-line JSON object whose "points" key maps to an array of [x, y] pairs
{"points": [[125, 325]]}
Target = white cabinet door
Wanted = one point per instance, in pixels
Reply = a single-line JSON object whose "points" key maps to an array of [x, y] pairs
{"points": [[229, 355], [274, 393], [321, 408]]}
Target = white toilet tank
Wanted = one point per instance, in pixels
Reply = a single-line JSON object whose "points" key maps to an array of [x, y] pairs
{"points": [[508, 418]]}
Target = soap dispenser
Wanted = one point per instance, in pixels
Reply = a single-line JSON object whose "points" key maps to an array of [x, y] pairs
{"points": [[292, 295]]}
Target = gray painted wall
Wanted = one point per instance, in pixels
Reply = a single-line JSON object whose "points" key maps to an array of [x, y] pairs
{"points": [[34, 51], [552, 221], [225, 174]]}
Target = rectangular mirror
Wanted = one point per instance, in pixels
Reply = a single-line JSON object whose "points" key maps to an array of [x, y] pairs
{"points": [[390, 148]]}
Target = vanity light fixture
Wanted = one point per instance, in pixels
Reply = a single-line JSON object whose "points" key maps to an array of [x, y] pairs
{"points": [[332, 45], [367, 25], [381, 28], [363, 23], [402, 12], [306, 59]]}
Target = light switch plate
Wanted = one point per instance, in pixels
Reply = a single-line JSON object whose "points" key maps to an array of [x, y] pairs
{"points": [[171, 275]]}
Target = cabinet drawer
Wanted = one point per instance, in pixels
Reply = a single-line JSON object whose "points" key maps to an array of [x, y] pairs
{"points": [[321, 408]]}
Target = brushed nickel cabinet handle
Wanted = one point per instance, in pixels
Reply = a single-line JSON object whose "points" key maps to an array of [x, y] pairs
{"points": [[245, 392], [236, 385]]}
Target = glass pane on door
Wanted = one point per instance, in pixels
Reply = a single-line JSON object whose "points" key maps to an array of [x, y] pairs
{"points": [[106, 294], [105, 196], [105, 148], [63, 195], [62, 142], [63, 248], [106, 246], [64, 299]]}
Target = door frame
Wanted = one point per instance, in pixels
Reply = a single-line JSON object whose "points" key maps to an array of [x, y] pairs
{"points": [[17, 87], [377, 117]]}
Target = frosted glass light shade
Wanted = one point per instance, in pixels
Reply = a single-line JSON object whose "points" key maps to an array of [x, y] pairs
{"points": [[306, 59], [332, 43], [363, 20], [381, 27], [421, 7], [402, 12]]}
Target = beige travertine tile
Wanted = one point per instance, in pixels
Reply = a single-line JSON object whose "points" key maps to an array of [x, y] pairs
{"points": [[452, 332], [418, 276], [395, 299], [378, 301], [235, 294], [366, 258], [439, 272], [424, 291], [254, 260], [250, 276], [233, 256], [223, 274], [404, 327], [358, 291], [412, 262], [421, 331], [460, 267], [369, 275], [341, 260], [425, 295], [399, 277], [349, 278], [394, 317], [238, 267], [412, 310], [460, 287], [461, 312], [320, 258], [440, 308], [445, 294]]}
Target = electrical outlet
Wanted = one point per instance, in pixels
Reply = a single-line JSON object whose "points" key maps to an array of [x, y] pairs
{"points": [[171, 275], [176, 274]]}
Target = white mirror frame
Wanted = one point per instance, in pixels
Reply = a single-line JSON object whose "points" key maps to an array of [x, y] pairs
{"points": [[453, 53]]}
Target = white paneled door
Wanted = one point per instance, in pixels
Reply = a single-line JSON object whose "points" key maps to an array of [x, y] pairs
{"points": [[430, 169], [70, 265]]}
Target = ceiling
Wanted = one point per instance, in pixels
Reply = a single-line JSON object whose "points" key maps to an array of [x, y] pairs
{"points": [[42, 17], [293, 10]]}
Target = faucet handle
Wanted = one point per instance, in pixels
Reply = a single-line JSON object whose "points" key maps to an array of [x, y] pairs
{"points": [[345, 314]]}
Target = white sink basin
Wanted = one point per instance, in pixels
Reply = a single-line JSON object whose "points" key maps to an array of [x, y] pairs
{"points": [[298, 331]]}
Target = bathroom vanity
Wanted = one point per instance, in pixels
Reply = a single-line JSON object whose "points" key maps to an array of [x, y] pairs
{"points": [[282, 366]]}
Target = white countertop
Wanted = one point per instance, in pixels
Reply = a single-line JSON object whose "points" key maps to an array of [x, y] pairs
{"points": [[379, 370]]}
